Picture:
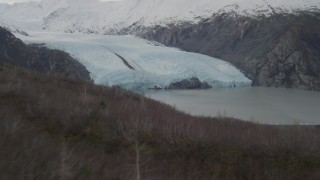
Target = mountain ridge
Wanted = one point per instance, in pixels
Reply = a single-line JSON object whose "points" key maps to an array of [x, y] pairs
{"points": [[110, 17]]}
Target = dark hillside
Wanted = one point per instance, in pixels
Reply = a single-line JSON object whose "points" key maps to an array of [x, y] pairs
{"points": [[282, 50], [57, 128], [35, 57]]}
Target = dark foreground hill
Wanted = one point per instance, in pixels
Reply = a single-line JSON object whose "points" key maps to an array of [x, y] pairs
{"points": [[57, 128]]}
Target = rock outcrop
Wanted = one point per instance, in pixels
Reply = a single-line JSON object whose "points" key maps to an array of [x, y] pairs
{"points": [[35, 57], [282, 50], [192, 83]]}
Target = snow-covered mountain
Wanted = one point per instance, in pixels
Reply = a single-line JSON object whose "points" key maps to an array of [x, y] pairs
{"points": [[274, 42], [112, 16]]}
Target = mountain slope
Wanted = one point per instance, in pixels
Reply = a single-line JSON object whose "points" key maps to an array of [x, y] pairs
{"points": [[111, 17], [14, 51], [57, 128], [280, 50]]}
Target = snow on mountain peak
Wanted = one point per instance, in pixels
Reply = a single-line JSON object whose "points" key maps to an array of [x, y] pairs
{"points": [[88, 15]]}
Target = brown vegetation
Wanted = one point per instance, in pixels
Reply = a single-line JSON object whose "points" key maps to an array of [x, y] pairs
{"points": [[57, 128]]}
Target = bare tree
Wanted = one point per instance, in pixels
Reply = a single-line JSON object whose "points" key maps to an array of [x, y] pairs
{"points": [[138, 128]]}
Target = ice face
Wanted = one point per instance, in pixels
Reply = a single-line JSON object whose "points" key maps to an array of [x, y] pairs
{"points": [[108, 58]]}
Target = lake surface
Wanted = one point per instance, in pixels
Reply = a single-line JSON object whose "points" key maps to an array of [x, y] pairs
{"points": [[258, 104]]}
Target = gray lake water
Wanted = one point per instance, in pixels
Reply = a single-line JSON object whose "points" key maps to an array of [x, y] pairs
{"points": [[257, 104]]}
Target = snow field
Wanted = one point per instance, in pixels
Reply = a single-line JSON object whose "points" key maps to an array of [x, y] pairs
{"points": [[112, 16]]}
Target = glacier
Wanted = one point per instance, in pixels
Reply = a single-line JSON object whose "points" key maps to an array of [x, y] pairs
{"points": [[152, 65]]}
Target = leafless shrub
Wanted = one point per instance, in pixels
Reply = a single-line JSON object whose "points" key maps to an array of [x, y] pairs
{"points": [[57, 128]]}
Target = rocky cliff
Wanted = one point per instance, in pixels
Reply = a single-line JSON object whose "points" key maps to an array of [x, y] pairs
{"points": [[35, 57], [282, 50]]}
